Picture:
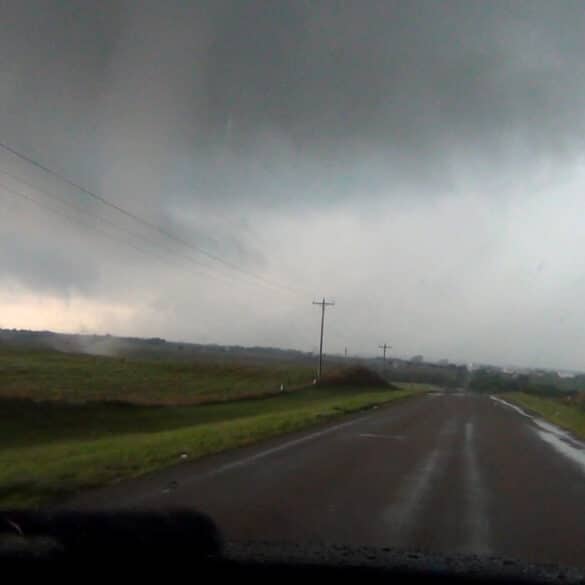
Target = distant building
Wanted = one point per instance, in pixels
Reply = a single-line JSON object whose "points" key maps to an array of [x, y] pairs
{"points": [[417, 359], [444, 362]]}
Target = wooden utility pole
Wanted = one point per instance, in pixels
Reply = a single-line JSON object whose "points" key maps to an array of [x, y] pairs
{"points": [[385, 347], [323, 303]]}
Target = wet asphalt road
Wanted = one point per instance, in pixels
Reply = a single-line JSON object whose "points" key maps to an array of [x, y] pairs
{"points": [[439, 473]]}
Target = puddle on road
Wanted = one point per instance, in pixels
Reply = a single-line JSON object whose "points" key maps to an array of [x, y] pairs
{"points": [[556, 437]]}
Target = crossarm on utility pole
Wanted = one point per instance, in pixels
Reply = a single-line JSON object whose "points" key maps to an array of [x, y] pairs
{"points": [[385, 347]]}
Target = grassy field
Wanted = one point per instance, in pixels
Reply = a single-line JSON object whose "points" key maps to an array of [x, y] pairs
{"points": [[553, 410], [54, 450], [51, 375], [72, 422]]}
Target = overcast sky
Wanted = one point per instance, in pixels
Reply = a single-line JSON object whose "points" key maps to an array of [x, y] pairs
{"points": [[422, 163]]}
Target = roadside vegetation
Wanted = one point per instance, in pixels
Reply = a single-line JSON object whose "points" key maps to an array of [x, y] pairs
{"points": [[538, 383], [567, 411], [559, 400], [70, 422], [446, 376]]}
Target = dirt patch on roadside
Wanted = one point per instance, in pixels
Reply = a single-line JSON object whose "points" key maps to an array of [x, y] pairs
{"points": [[356, 377]]}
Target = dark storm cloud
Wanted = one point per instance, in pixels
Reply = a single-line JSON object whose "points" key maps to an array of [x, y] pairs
{"points": [[54, 58], [265, 130], [340, 78], [313, 102], [231, 100]]}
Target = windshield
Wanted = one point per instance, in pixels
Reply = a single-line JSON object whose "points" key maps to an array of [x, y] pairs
{"points": [[312, 268]]}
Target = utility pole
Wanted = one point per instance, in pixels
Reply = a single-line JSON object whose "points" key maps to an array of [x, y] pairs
{"points": [[345, 352], [385, 347], [323, 304]]}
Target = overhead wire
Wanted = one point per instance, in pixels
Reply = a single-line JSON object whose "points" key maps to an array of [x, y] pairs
{"points": [[251, 278], [144, 252], [148, 252], [79, 210], [85, 212], [54, 211], [146, 222]]}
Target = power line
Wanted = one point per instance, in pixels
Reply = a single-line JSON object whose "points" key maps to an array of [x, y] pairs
{"points": [[141, 220], [114, 237], [79, 210], [146, 252], [69, 218], [84, 212]]}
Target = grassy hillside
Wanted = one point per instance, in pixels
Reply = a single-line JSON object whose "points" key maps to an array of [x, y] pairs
{"points": [[555, 410], [354, 376], [50, 375], [69, 422], [51, 450]]}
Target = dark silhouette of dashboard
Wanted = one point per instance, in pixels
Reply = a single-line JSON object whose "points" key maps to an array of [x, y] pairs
{"points": [[114, 544]]}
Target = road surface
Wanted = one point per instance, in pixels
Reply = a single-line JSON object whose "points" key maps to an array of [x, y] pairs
{"points": [[451, 473]]}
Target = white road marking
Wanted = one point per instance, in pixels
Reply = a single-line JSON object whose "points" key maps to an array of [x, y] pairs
{"points": [[402, 514], [475, 497], [258, 456], [284, 446], [376, 436], [557, 438]]}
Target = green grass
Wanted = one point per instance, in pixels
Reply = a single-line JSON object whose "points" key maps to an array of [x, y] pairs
{"points": [[71, 422], [47, 375], [571, 418], [53, 450]]}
